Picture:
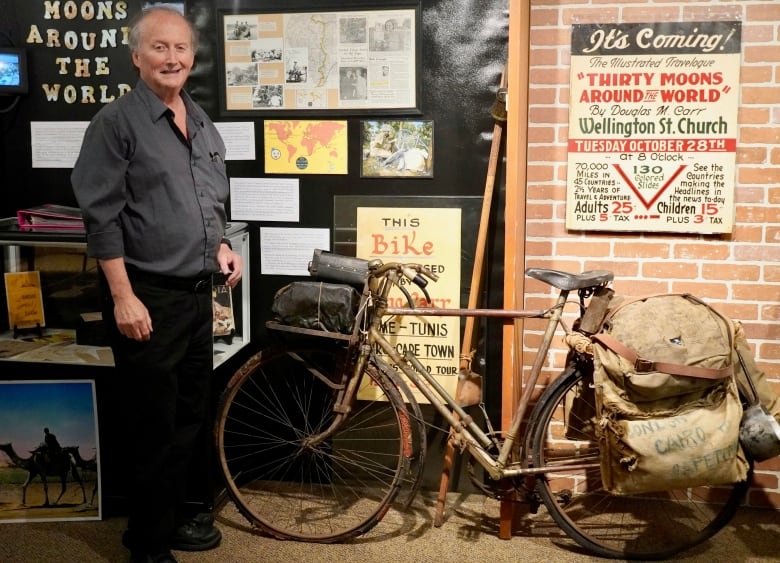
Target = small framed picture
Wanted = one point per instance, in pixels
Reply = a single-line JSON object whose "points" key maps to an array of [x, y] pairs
{"points": [[396, 148], [177, 5], [224, 321], [49, 451]]}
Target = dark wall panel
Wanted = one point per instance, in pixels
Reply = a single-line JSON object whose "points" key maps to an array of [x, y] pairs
{"points": [[463, 51], [462, 56]]}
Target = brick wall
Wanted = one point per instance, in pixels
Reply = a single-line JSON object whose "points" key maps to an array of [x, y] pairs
{"points": [[738, 273]]}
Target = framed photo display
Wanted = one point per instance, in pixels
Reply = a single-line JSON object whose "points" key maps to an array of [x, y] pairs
{"points": [[352, 58], [396, 148]]}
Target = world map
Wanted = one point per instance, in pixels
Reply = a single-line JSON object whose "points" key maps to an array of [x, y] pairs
{"points": [[305, 147]]}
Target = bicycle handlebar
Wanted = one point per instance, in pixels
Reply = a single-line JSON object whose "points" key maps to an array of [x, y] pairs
{"points": [[411, 271], [415, 273]]}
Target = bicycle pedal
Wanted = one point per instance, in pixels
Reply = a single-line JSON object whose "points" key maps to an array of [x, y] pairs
{"points": [[563, 497], [534, 502]]}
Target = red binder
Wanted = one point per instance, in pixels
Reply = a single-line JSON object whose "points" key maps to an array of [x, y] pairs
{"points": [[50, 216]]}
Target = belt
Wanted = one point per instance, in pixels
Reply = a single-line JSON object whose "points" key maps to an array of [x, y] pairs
{"points": [[201, 284]]}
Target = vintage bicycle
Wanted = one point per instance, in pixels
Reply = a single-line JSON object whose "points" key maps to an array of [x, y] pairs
{"points": [[305, 458]]}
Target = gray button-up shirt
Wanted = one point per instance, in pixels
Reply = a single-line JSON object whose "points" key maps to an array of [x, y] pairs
{"points": [[146, 194]]}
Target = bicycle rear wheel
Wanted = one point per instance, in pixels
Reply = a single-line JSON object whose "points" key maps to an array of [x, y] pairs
{"points": [[290, 486], [647, 526]]}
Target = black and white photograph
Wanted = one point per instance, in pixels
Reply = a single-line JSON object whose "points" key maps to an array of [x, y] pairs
{"points": [[269, 96]]}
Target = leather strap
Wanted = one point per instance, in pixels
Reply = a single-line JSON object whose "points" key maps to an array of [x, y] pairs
{"points": [[642, 365]]}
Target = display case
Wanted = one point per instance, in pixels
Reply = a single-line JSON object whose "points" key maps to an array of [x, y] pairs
{"points": [[69, 284]]}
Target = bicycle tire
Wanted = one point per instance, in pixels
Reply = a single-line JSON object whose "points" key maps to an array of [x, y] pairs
{"points": [[324, 493], [417, 425], [649, 526]]}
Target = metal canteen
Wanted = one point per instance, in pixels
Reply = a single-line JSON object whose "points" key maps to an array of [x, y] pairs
{"points": [[759, 433]]}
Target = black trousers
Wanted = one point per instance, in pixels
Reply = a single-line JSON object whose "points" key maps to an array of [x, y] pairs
{"points": [[165, 390]]}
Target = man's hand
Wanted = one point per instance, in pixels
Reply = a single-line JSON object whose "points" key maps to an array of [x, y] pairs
{"points": [[231, 264], [131, 316]]}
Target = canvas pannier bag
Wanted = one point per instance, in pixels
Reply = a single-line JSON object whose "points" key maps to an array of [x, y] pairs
{"points": [[317, 305], [668, 408]]}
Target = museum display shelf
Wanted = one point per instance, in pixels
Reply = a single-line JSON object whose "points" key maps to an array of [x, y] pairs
{"points": [[27, 250]]}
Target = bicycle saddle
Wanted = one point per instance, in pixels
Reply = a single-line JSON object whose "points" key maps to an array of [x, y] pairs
{"points": [[568, 280]]}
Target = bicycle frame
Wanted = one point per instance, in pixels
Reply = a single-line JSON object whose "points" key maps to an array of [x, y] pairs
{"points": [[475, 439], [304, 458]]}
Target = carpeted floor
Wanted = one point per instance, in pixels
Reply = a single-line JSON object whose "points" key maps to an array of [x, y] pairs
{"points": [[469, 534]]}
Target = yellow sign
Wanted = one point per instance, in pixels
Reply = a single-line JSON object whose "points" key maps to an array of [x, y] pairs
{"points": [[430, 237], [305, 147], [25, 300]]}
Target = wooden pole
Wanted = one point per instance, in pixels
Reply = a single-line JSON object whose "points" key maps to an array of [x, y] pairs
{"points": [[466, 376], [514, 246]]}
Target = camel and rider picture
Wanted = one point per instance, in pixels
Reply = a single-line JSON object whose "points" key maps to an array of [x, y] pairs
{"points": [[49, 462]]}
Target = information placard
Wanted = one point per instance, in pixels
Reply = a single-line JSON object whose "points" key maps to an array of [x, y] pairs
{"points": [[653, 127], [24, 299], [422, 236]]}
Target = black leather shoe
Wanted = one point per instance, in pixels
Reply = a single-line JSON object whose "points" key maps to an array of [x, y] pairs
{"points": [[203, 519], [199, 534], [165, 557]]}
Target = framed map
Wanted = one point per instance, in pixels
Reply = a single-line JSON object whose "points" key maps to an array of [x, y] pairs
{"points": [[302, 146], [339, 60]]}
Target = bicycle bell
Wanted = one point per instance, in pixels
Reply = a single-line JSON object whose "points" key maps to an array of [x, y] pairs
{"points": [[759, 432]]}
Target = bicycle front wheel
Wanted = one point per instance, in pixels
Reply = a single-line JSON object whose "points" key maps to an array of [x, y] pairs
{"points": [[283, 474], [647, 526]]}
